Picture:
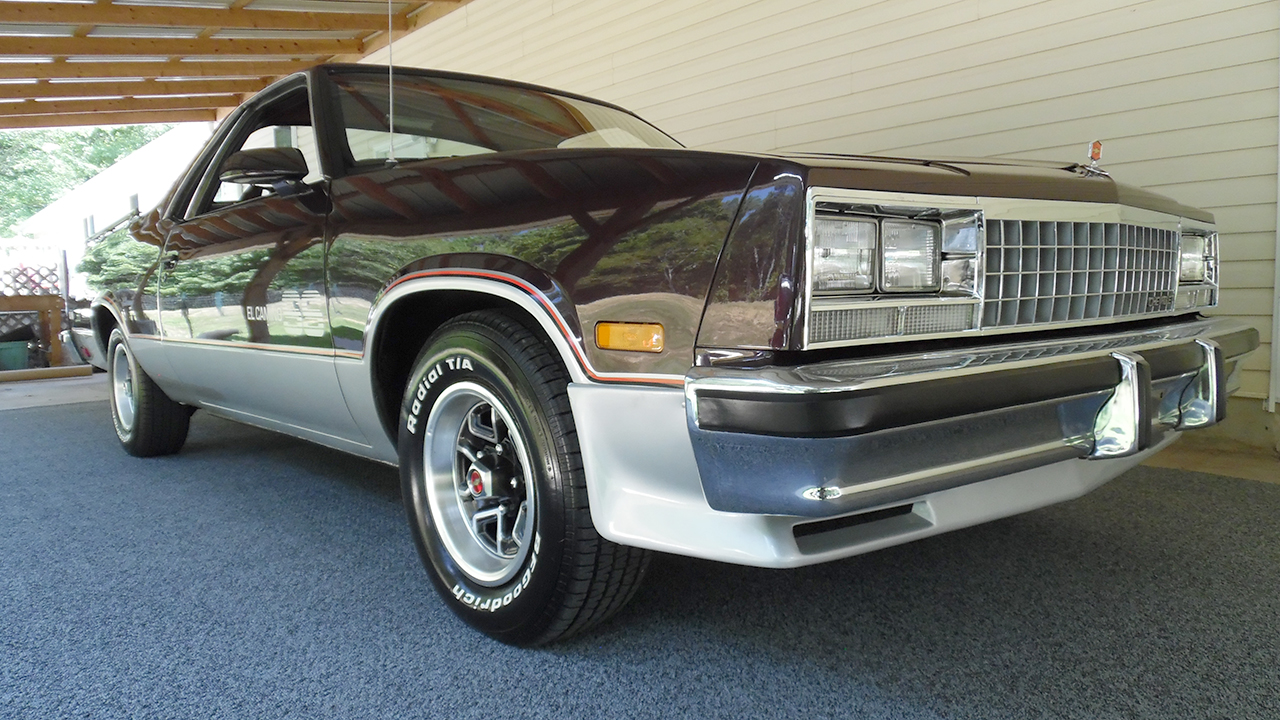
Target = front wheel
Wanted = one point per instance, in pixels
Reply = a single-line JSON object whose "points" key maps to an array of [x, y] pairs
{"points": [[494, 488]]}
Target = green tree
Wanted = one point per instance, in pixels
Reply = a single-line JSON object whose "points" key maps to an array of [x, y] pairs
{"points": [[39, 166]]}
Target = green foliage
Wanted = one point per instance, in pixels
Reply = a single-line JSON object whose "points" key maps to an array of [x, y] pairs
{"points": [[674, 253], [232, 273], [118, 261], [40, 166]]}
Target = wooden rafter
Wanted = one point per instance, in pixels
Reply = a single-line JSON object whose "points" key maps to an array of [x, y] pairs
{"points": [[100, 117], [151, 16], [130, 104], [134, 89], [169, 69], [180, 47], [95, 76]]}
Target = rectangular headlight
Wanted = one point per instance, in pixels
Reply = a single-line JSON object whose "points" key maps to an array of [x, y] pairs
{"points": [[1191, 266], [910, 256], [844, 252]]}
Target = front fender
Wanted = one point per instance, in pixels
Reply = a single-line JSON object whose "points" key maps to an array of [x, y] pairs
{"points": [[621, 235]]}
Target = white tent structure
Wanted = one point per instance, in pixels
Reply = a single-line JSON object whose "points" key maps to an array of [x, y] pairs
{"points": [[137, 181]]}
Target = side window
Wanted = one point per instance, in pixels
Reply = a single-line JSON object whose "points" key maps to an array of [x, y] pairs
{"points": [[285, 122]]}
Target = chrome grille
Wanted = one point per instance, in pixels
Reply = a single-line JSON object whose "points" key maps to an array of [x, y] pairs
{"points": [[1048, 272]]}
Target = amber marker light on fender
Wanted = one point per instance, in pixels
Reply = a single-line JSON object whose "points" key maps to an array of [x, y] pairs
{"points": [[637, 337]]}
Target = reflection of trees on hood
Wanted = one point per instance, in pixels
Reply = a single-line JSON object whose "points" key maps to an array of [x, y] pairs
{"points": [[675, 254], [671, 247], [119, 261], [667, 251], [353, 262], [759, 254]]}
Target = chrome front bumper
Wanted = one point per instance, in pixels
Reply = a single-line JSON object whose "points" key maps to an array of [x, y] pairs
{"points": [[835, 438]]}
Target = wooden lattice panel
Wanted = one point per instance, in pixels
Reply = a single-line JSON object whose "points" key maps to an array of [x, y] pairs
{"points": [[26, 281], [30, 281]]}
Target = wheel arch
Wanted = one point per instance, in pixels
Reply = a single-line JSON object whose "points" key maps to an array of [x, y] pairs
{"points": [[103, 319], [415, 307]]}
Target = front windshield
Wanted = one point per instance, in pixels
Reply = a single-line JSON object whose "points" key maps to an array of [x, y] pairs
{"points": [[445, 117]]}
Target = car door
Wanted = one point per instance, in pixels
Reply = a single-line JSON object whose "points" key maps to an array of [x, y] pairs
{"points": [[242, 300]]}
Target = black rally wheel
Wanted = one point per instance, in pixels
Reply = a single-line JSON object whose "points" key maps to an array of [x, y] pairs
{"points": [[147, 421], [494, 489]]}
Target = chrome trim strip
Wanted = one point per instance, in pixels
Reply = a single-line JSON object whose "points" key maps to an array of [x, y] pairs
{"points": [[518, 292], [835, 377], [268, 347], [1000, 208], [960, 468]]}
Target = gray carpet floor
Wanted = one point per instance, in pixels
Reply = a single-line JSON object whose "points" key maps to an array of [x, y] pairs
{"points": [[258, 576]]}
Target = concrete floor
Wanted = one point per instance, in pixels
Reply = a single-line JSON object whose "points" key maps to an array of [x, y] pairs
{"points": [[62, 391], [1233, 460]]}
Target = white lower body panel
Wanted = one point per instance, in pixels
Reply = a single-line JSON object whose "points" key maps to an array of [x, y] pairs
{"points": [[645, 490]]}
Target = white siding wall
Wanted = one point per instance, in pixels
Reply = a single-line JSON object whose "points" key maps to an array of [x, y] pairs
{"points": [[1183, 92]]}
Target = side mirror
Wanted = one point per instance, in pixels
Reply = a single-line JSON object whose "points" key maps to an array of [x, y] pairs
{"points": [[264, 166]]}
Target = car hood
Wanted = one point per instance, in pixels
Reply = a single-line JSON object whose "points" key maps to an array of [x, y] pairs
{"points": [[980, 177]]}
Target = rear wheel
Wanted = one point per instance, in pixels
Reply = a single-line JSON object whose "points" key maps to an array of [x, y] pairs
{"points": [[494, 488], [147, 421]]}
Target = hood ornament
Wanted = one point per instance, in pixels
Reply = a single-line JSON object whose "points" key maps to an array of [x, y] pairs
{"points": [[1093, 169]]}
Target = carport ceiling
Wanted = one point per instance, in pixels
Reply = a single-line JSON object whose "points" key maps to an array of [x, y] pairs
{"points": [[106, 62]]}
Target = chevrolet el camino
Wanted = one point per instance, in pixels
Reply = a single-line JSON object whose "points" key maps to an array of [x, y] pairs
{"points": [[582, 342]]}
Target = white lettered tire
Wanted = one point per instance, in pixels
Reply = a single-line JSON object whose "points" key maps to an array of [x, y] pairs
{"points": [[494, 489]]}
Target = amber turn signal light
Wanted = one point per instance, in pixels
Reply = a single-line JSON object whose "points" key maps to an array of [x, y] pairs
{"points": [[637, 337]]}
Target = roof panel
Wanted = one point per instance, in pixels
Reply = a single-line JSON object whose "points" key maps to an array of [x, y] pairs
{"points": [[106, 59], [210, 4], [359, 6], [118, 31], [56, 81], [252, 33], [33, 30], [229, 59]]}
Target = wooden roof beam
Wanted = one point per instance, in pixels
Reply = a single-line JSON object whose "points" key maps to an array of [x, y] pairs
{"points": [[151, 16], [16, 122], [172, 68], [117, 105], [174, 47], [132, 89]]}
